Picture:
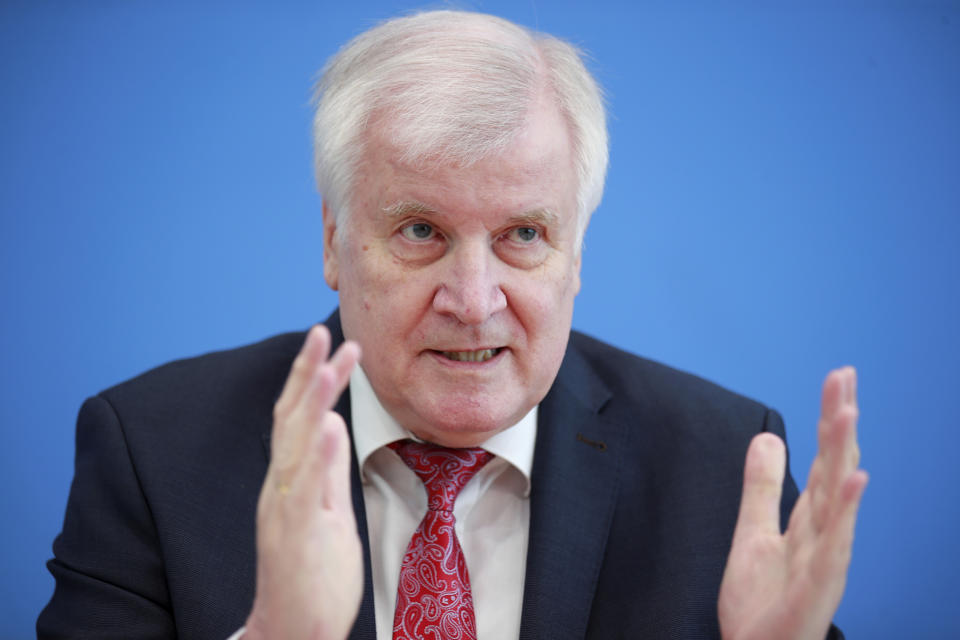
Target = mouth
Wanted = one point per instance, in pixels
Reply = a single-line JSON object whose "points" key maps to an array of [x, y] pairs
{"points": [[480, 355]]}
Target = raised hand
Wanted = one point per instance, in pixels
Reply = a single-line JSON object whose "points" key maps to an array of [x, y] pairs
{"points": [[788, 586], [309, 559]]}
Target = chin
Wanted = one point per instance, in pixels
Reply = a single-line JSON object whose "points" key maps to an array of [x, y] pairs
{"points": [[465, 428]]}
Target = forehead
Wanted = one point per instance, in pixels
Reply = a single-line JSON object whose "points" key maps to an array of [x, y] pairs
{"points": [[534, 172]]}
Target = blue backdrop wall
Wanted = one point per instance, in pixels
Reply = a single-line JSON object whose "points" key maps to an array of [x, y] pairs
{"points": [[783, 198]]}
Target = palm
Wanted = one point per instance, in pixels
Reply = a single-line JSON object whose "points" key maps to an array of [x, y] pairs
{"points": [[789, 585]]}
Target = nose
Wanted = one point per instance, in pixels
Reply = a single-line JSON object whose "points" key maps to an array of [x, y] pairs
{"points": [[470, 288]]}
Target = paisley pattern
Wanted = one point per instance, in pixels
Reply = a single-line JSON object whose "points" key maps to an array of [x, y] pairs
{"points": [[433, 595]]}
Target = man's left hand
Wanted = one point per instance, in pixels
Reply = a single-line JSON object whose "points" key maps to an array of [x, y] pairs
{"points": [[789, 585]]}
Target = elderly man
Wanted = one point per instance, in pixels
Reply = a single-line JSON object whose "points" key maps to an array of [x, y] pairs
{"points": [[484, 471]]}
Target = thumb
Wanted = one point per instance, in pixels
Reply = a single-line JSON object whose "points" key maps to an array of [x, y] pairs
{"points": [[762, 484]]}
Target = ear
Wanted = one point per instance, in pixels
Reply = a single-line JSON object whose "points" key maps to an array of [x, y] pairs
{"points": [[331, 264]]}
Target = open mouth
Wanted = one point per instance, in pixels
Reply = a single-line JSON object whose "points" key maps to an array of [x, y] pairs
{"points": [[481, 355]]}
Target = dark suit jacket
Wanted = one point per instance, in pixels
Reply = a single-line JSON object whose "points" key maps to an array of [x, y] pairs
{"points": [[635, 488]]}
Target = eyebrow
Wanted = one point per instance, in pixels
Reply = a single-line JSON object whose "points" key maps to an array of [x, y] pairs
{"points": [[544, 217], [404, 208]]}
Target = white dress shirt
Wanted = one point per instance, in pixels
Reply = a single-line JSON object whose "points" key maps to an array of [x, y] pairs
{"points": [[492, 514]]}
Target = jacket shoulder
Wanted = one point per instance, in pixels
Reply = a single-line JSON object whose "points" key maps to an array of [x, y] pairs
{"points": [[162, 506], [206, 409], [661, 392], [217, 376]]}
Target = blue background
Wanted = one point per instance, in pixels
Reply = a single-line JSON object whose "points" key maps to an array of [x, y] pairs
{"points": [[783, 198]]}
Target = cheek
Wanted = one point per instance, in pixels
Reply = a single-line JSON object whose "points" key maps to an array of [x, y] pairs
{"points": [[365, 269], [362, 295], [555, 291], [544, 307], [391, 299]]}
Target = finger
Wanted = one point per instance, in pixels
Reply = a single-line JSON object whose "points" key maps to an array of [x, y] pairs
{"points": [[762, 484], [327, 384], [319, 397], [838, 454], [839, 396], [830, 402], [322, 476], [833, 462], [335, 380], [288, 431], [327, 466], [337, 480], [852, 387], [313, 352], [837, 543], [832, 393]]}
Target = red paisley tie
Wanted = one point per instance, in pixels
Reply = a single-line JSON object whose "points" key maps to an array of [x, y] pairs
{"points": [[433, 595]]}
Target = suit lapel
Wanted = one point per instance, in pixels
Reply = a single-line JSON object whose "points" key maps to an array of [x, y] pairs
{"points": [[573, 494], [365, 627]]}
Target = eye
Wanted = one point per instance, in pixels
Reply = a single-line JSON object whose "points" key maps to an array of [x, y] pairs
{"points": [[418, 231], [524, 235]]}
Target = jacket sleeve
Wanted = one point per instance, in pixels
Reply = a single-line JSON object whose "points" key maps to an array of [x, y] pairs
{"points": [[107, 563]]}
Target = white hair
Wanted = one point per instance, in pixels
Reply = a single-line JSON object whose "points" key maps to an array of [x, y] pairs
{"points": [[452, 87]]}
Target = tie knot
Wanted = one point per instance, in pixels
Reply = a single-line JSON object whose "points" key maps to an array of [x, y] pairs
{"points": [[444, 471]]}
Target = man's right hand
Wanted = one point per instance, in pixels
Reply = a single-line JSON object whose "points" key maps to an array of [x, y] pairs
{"points": [[309, 559]]}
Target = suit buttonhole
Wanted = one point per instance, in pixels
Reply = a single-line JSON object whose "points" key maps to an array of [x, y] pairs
{"points": [[599, 445]]}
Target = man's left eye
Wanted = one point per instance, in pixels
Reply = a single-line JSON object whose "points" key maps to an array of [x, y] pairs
{"points": [[524, 235]]}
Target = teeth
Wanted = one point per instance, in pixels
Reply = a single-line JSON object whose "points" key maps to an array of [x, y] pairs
{"points": [[471, 356]]}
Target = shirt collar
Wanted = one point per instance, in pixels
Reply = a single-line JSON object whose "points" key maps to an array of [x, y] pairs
{"points": [[379, 428]]}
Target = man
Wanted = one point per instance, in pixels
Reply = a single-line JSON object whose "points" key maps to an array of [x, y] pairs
{"points": [[460, 158]]}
